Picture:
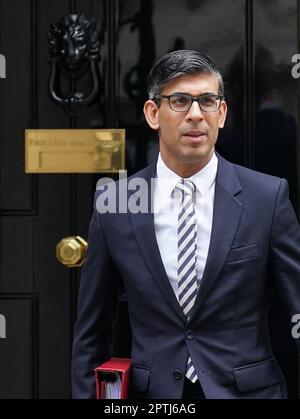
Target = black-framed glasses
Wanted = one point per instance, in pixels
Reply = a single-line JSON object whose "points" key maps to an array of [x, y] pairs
{"points": [[182, 102]]}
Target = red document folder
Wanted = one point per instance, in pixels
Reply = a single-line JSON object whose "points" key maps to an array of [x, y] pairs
{"points": [[111, 371]]}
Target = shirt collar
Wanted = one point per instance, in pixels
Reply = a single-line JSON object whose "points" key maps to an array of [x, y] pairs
{"points": [[204, 179]]}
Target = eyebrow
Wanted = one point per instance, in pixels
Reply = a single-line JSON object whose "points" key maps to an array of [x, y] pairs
{"points": [[188, 94]]}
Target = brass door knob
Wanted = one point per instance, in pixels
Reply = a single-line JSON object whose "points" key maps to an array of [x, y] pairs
{"points": [[71, 251]]}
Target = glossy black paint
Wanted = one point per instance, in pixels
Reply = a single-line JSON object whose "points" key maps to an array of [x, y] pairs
{"points": [[153, 28], [74, 50], [275, 38]]}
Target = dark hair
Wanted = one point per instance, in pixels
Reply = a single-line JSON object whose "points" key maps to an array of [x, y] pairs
{"points": [[176, 64]]}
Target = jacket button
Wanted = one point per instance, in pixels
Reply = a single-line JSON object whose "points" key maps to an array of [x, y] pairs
{"points": [[189, 335], [177, 375]]}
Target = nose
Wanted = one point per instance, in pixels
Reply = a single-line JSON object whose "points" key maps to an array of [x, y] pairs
{"points": [[195, 112], [71, 50]]}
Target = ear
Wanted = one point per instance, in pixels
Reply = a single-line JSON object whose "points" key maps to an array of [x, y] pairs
{"points": [[222, 114], [151, 114]]}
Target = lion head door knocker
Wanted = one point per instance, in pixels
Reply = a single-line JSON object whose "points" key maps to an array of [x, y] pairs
{"points": [[74, 51]]}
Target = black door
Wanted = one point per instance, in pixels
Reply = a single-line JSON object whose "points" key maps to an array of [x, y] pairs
{"points": [[252, 41]]}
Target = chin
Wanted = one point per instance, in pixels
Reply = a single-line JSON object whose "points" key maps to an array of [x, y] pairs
{"points": [[196, 155]]}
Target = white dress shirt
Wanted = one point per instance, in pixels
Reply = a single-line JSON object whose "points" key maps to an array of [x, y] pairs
{"points": [[166, 203]]}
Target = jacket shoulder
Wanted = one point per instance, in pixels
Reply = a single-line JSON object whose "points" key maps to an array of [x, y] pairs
{"points": [[260, 181]]}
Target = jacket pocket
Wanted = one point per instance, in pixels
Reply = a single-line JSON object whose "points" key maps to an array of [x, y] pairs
{"points": [[256, 376], [245, 252], [140, 378]]}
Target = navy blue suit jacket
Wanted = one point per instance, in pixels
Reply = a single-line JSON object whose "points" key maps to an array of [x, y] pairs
{"points": [[254, 247]]}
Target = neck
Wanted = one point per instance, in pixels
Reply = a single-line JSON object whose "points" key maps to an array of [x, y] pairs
{"points": [[186, 169]]}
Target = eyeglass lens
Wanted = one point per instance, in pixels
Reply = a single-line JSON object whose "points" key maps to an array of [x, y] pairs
{"points": [[207, 103]]}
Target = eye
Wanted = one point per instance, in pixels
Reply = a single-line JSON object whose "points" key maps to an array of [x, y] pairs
{"points": [[179, 100], [208, 101]]}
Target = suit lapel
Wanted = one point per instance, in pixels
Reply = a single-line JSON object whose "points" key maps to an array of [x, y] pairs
{"points": [[226, 217], [143, 227]]}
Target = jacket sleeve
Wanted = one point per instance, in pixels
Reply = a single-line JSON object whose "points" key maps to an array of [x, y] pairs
{"points": [[285, 252], [97, 310]]}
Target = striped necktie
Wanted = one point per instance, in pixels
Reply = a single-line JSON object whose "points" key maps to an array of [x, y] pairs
{"points": [[187, 257]]}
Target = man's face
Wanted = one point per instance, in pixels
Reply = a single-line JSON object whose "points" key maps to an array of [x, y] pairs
{"points": [[187, 139]]}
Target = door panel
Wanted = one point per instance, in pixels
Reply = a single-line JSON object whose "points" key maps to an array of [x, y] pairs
{"points": [[153, 28], [18, 351], [15, 105], [276, 90], [275, 140], [17, 262]]}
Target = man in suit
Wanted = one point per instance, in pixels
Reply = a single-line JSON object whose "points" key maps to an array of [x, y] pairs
{"points": [[198, 262]]}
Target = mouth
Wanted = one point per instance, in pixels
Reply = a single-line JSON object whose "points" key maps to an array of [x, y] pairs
{"points": [[195, 135]]}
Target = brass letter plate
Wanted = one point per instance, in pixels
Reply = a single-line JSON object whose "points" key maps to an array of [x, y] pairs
{"points": [[74, 150]]}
